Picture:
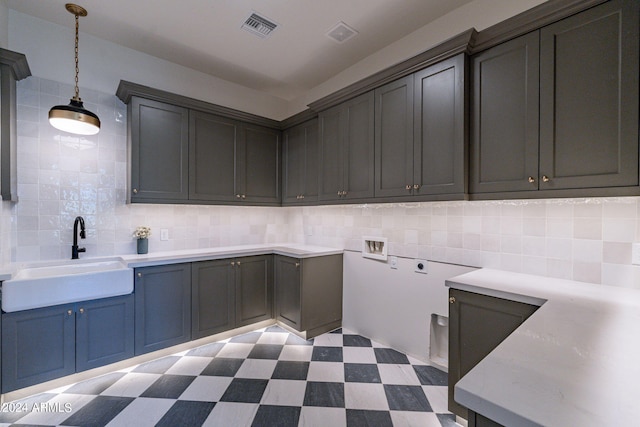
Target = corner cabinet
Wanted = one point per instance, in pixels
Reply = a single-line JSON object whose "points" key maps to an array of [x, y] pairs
{"points": [[300, 164], [162, 306], [48, 343], [159, 151], [420, 138], [557, 109], [347, 150], [477, 324], [309, 293]]}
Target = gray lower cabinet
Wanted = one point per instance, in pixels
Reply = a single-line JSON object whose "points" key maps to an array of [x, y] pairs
{"points": [[254, 289], [477, 420], [477, 324], [159, 151], [213, 297], [346, 162], [420, 138], [557, 109], [309, 293], [47, 343], [162, 306], [300, 164]]}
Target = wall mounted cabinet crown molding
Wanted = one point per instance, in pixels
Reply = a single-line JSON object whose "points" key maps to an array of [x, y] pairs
{"points": [[13, 68]]}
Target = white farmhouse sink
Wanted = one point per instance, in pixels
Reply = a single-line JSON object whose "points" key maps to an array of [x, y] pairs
{"points": [[52, 283]]}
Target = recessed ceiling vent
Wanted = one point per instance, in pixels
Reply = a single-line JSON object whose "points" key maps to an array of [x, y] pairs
{"points": [[341, 32], [259, 25]]}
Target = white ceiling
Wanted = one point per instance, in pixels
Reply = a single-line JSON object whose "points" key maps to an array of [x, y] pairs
{"points": [[205, 35]]}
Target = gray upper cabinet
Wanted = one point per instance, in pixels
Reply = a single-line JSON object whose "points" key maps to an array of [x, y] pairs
{"points": [[420, 137], [300, 163], [259, 165], [557, 109], [159, 151], [347, 150], [504, 149], [589, 98], [213, 149]]}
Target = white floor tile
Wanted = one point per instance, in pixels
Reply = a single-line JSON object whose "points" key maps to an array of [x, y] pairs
{"points": [[414, 419], [189, 365], [358, 355], [206, 389], [75, 402], [257, 368], [365, 396], [226, 414], [131, 385], [312, 416], [438, 398], [273, 338], [299, 353], [398, 374], [284, 393], [332, 372], [328, 340], [142, 412], [235, 350]]}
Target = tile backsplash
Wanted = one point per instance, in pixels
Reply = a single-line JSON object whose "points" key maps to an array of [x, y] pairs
{"points": [[61, 176]]}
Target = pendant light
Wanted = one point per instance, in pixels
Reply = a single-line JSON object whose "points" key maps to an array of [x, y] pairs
{"points": [[74, 118]]}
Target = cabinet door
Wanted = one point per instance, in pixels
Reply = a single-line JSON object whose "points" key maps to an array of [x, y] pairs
{"points": [[259, 165], [162, 306], [300, 163], [159, 151], [37, 345], [477, 324], [504, 135], [213, 151], [213, 298], [394, 138], [440, 129], [104, 331], [254, 289], [358, 147], [288, 308], [589, 98], [330, 180]]}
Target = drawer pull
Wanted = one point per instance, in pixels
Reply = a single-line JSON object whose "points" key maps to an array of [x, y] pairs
{"points": [[452, 300]]}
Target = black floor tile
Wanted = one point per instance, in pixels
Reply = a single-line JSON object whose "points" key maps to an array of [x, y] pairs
{"points": [[98, 412], [223, 367], [406, 398], [168, 386], [296, 340], [361, 373], [159, 366], [324, 394], [326, 354], [447, 420], [355, 341], [209, 350], [363, 418], [265, 351], [389, 355], [185, 413], [244, 390], [250, 338], [280, 416], [289, 370], [95, 386], [430, 375]]}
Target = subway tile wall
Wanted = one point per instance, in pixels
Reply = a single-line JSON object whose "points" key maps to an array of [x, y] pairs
{"points": [[61, 176]]}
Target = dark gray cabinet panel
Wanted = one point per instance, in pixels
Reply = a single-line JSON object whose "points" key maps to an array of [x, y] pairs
{"points": [[440, 128], [162, 306], [477, 324], [589, 98], [213, 297], [104, 331], [259, 165], [309, 293], [394, 157], [300, 163], [347, 150], [254, 289], [477, 420], [37, 345], [504, 149], [213, 151], [159, 151]]}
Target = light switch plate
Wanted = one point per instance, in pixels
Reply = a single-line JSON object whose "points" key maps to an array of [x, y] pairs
{"points": [[164, 234], [393, 262]]}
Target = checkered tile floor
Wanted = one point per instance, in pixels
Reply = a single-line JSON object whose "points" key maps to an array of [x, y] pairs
{"points": [[264, 378]]}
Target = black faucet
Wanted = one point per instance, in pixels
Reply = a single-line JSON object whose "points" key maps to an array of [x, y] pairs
{"points": [[75, 249]]}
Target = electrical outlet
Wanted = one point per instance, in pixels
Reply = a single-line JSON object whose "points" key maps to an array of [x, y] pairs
{"points": [[393, 262], [421, 266], [635, 254], [164, 234]]}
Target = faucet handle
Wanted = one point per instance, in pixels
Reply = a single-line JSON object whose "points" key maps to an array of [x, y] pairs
{"points": [[82, 249]]}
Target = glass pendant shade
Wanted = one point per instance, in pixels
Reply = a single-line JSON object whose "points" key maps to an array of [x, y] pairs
{"points": [[74, 118]]}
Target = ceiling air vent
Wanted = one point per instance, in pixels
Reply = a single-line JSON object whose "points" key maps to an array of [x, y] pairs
{"points": [[259, 25], [341, 32]]}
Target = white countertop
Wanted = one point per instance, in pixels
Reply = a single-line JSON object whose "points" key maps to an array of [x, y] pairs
{"points": [[192, 255], [574, 362]]}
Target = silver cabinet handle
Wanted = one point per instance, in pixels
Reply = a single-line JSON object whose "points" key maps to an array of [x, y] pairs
{"points": [[135, 191], [140, 275], [452, 300], [69, 312], [297, 264], [82, 311], [237, 196], [416, 186], [233, 263], [243, 196], [531, 179], [545, 178]]}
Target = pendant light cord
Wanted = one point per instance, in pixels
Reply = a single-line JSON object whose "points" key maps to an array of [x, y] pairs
{"points": [[77, 94]]}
